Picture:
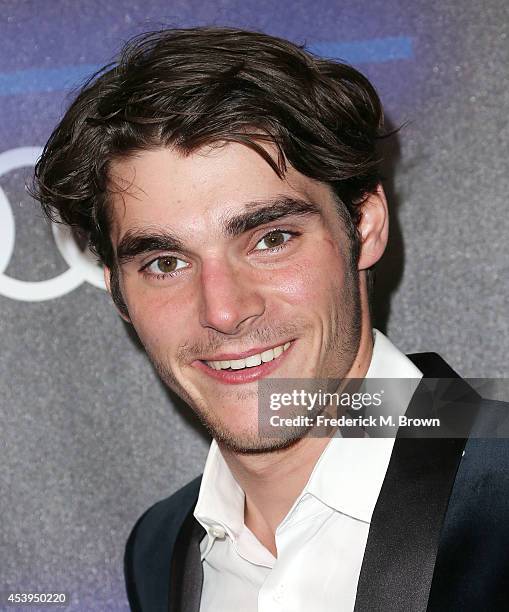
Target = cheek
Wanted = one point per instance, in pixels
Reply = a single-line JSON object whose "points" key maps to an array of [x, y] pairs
{"points": [[160, 320], [313, 279]]}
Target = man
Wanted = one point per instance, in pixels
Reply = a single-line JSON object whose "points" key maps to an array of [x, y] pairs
{"points": [[229, 183]]}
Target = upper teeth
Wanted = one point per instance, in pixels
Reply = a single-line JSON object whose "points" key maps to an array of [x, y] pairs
{"points": [[251, 361]]}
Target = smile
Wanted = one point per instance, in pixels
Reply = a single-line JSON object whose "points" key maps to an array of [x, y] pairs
{"points": [[251, 361], [246, 369]]}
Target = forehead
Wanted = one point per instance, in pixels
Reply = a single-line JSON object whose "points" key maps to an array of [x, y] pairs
{"points": [[164, 187]]}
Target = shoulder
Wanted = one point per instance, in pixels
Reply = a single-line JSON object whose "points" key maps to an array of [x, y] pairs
{"points": [[432, 365], [163, 518], [168, 513], [470, 566], [151, 541]]}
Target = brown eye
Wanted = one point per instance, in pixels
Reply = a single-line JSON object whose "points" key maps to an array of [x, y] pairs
{"points": [[273, 239], [167, 264]]}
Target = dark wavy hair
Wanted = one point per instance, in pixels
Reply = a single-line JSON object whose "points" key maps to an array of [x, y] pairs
{"points": [[190, 87]]}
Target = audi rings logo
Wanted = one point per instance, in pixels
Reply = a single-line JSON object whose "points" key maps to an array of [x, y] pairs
{"points": [[82, 265]]}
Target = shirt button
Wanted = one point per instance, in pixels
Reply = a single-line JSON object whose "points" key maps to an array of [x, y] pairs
{"points": [[216, 531], [279, 593]]}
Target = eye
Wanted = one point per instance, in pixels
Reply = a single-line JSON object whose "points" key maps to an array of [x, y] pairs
{"points": [[165, 265], [273, 240]]}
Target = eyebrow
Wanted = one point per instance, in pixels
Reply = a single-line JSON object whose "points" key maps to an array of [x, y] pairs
{"points": [[267, 211], [259, 212]]}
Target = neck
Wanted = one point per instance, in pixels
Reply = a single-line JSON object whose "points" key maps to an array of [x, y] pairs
{"points": [[272, 481]]}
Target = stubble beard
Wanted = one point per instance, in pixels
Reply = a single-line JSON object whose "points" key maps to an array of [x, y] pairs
{"points": [[344, 340]]}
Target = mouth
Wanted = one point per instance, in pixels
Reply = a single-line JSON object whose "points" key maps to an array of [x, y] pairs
{"points": [[246, 369]]}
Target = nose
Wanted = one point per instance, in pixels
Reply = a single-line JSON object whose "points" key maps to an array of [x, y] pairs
{"points": [[229, 298]]}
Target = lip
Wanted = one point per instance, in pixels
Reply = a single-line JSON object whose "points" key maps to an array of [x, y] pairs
{"points": [[247, 375]]}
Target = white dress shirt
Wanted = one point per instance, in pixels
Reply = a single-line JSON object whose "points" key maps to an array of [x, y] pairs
{"points": [[321, 541]]}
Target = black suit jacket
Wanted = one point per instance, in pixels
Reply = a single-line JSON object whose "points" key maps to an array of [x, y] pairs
{"points": [[438, 539]]}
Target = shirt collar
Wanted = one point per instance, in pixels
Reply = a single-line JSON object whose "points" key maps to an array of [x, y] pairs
{"points": [[348, 475], [221, 499], [387, 361]]}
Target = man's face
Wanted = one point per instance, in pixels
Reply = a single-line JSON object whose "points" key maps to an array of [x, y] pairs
{"points": [[231, 275]]}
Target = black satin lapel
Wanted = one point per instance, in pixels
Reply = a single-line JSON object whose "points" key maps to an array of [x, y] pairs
{"points": [[186, 579], [404, 534], [405, 528]]}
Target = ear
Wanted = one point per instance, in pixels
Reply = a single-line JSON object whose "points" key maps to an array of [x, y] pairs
{"points": [[113, 287], [373, 228], [107, 278]]}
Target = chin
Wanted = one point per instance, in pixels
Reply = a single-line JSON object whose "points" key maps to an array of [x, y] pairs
{"points": [[255, 445], [251, 442]]}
